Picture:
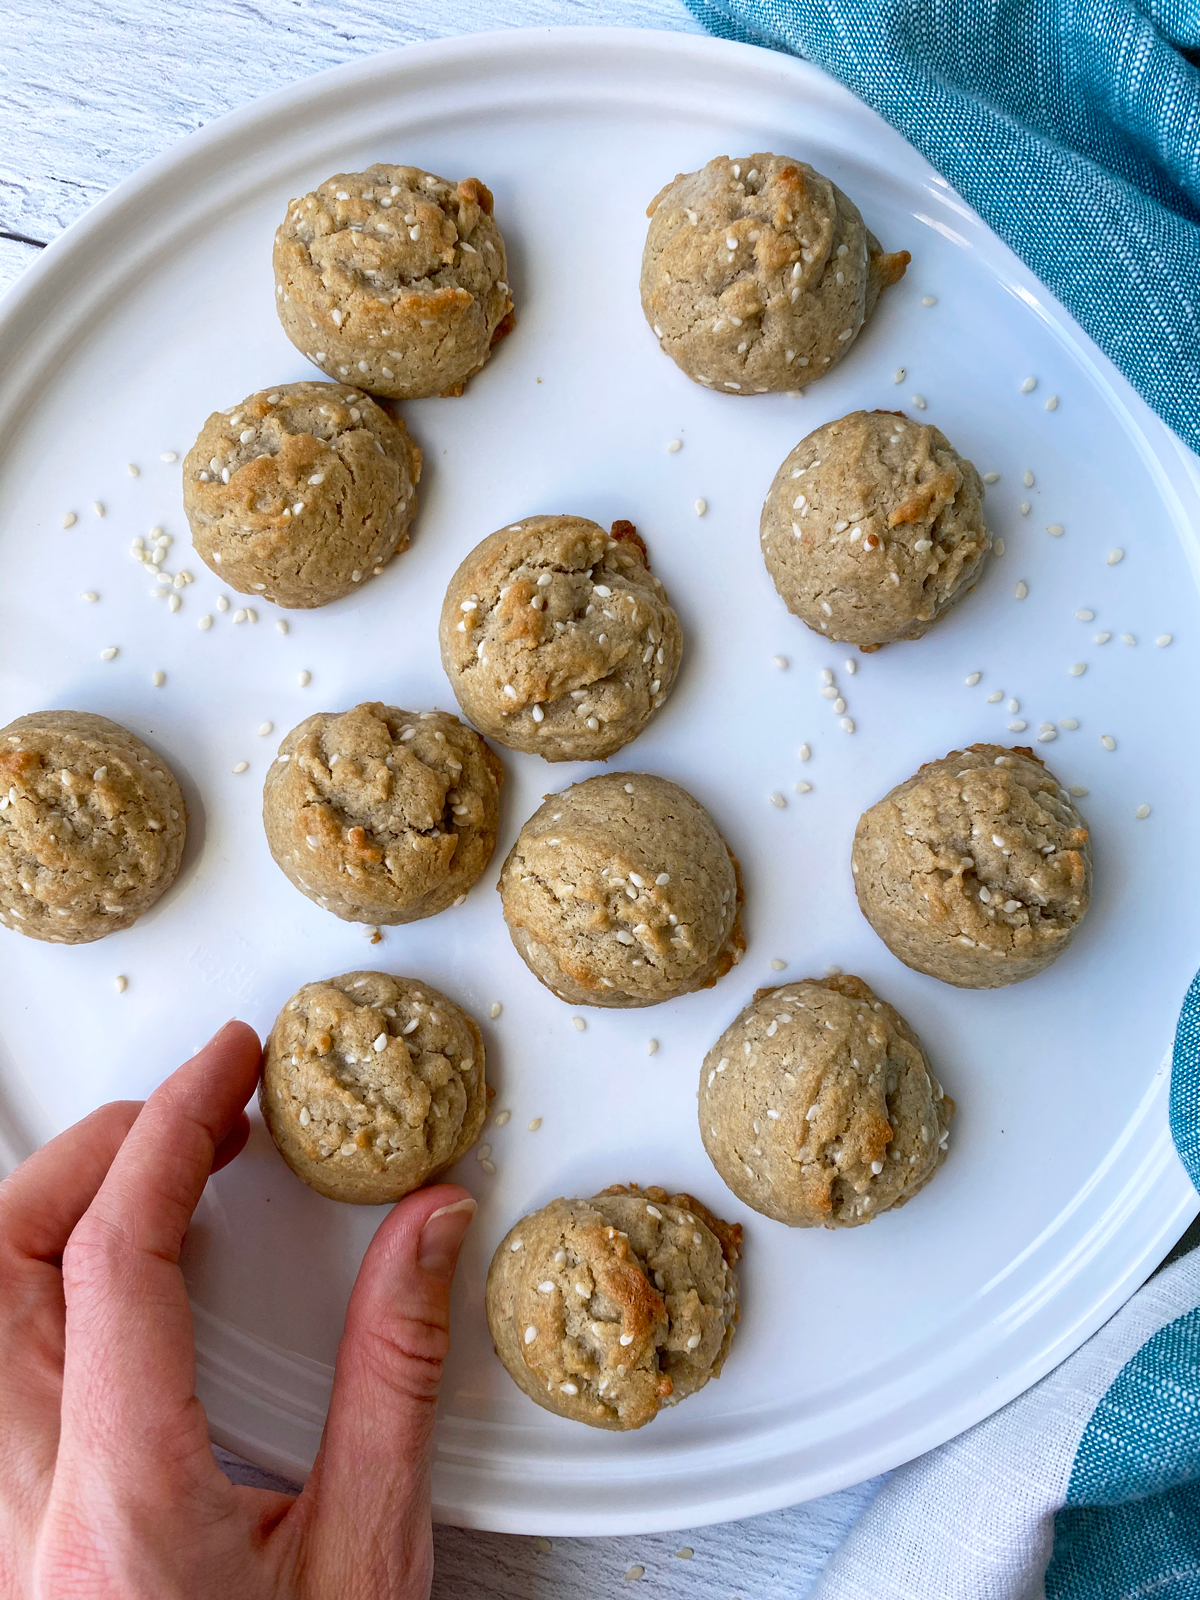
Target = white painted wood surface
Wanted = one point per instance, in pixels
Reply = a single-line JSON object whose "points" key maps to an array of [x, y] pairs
{"points": [[88, 93]]}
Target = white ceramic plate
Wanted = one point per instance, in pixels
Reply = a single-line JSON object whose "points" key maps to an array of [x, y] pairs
{"points": [[856, 1350]]}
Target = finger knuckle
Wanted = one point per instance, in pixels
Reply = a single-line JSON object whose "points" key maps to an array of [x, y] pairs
{"points": [[407, 1354]]}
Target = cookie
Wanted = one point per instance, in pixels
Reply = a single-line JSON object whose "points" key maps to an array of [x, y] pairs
{"points": [[605, 1310], [873, 528], [557, 639], [620, 892], [381, 815], [394, 279], [977, 870], [301, 493], [759, 274], [818, 1105], [92, 826], [372, 1085]]}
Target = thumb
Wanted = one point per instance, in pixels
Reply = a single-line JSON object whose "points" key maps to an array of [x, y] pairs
{"points": [[371, 1530]]}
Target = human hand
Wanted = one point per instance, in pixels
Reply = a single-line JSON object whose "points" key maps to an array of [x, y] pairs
{"points": [[108, 1486]]}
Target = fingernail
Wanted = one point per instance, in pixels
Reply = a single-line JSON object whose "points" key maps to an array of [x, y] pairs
{"points": [[442, 1237]]}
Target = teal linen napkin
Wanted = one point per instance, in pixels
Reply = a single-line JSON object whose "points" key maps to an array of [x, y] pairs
{"points": [[1072, 127]]}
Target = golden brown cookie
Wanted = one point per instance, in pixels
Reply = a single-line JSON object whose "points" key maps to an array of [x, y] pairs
{"points": [[301, 493], [873, 528], [605, 1310], [818, 1106], [976, 870], [92, 826], [557, 639], [394, 279], [759, 274], [372, 1085], [382, 815], [620, 892]]}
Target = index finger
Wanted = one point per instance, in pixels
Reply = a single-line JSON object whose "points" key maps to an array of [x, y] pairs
{"points": [[129, 1378]]}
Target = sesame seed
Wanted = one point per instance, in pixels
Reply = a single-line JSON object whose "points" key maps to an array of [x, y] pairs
{"points": [[1107, 740], [110, 653], [91, 595], [651, 1047], [674, 446], [1142, 813], [1029, 385], [972, 679], [69, 519], [685, 1554], [634, 1573], [929, 299], [530, 1335], [1026, 508], [1021, 590], [1115, 556], [991, 477], [173, 602], [919, 401], [1128, 638], [1048, 735], [1018, 726], [304, 679], [998, 547], [121, 982], [1052, 403], [777, 965], [805, 753], [899, 375], [535, 1124], [503, 1118], [205, 623], [1077, 790], [579, 1024], [847, 724], [1085, 616], [159, 678], [1163, 640], [780, 661], [1069, 723], [995, 696], [1078, 670], [98, 508], [241, 766], [1014, 706], [1054, 529], [777, 800], [281, 624], [701, 507], [489, 1167]]}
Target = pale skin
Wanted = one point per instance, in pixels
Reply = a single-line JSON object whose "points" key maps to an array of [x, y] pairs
{"points": [[108, 1485]]}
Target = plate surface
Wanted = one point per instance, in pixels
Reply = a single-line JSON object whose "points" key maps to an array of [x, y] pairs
{"points": [[856, 1350]]}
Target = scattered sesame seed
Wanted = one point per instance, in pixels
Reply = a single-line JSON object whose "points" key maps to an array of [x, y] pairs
{"points": [[651, 1047], [1026, 508], [98, 508], [205, 623], [685, 1554], [919, 401], [1052, 403], [1029, 385], [847, 724], [91, 595], [1021, 590], [777, 965], [281, 624], [535, 1124], [1114, 556], [173, 602], [972, 679], [69, 519], [134, 470], [833, 971], [780, 661], [503, 1118], [805, 753], [1101, 638], [1142, 813], [1077, 790], [674, 446], [635, 1573], [777, 800], [1047, 735], [1055, 529], [110, 653], [998, 547], [1163, 640], [995, 697], [241, 766], [1128, 638], [1014, 706], [991, 477], [159, 678], [1107, 740], [304, 678], [1069, 723], [543, 1545], [803, 788], [1078, 670], [579, 1024], [899, 375], [120, 983], [489, 1167], [1018, 726]]}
